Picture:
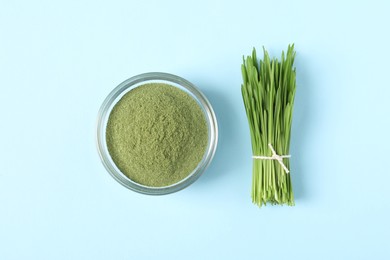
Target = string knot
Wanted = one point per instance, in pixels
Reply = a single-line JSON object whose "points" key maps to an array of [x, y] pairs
{"points": [[274, 156]]}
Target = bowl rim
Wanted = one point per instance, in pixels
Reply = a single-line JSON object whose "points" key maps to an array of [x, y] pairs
{"points": [[139, 80]]}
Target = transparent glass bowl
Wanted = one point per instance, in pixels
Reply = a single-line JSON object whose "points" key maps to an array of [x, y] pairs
{"points": [[118, 93]]}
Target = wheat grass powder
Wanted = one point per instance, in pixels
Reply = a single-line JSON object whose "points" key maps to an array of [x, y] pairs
{"points": [[156, 134]]}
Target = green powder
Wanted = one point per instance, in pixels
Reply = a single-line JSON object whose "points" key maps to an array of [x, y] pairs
{"points": [[157, 134]]}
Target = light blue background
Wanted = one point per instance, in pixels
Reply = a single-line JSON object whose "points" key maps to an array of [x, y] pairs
{"points": [[59, 60]]}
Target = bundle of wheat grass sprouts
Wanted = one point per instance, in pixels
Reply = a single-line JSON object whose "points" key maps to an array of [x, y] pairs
{"points": [[268, 92]]}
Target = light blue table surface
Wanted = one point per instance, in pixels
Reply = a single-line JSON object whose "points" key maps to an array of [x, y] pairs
{"points": [[60, 59]]}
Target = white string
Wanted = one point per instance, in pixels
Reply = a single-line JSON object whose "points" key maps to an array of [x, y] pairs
{"points": [[274, 156]]}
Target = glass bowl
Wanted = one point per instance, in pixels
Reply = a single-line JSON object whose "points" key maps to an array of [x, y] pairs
{"points": [[134, 82]]}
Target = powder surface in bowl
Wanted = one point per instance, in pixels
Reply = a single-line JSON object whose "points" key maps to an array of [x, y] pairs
{"points": [[156, 134]]}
